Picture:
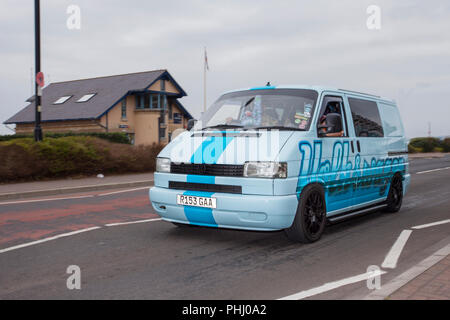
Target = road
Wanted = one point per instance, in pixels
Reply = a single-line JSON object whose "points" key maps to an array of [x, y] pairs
{"points": [[154, 259]]}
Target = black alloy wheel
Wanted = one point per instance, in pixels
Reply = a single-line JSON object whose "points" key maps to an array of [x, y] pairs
{"points": [[310, 219]]}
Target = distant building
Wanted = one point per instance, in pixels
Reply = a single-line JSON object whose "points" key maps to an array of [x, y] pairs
{"points": [[144, 105]]}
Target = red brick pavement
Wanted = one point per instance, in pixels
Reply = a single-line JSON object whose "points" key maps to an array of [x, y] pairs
{"points": [[433, 284]]}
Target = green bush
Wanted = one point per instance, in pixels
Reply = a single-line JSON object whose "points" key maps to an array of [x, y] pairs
{"points": [[117, 137], [446, 144], [412, 149], [426, 144], [24, 159]]}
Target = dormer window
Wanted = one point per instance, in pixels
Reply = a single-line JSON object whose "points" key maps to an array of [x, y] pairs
{"points": [[86, 97], [62, 100]]}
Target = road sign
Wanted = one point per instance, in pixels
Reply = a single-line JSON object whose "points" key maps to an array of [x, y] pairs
{"points": [[40, 79]]}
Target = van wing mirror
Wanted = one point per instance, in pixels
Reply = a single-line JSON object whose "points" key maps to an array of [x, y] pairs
{"points": [[191, 123]]}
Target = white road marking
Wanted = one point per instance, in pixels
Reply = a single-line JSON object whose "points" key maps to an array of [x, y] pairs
{"points": [[131, 222], [433, 170], [422, 226], [390, 261], [121, 191], [47, 239], [47, 199], [333, 285]]}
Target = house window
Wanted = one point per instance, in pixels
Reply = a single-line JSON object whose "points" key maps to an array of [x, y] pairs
{"points": [[177, 118], [163, 101], [162, 133], [154, 101], [62, 100], [124, 108], [163, 85], [170, 111], [86, 97]]}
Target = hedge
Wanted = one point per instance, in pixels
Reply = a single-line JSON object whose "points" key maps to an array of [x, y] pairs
{"points": [[117, 137], [429, 144], [23, 159]]}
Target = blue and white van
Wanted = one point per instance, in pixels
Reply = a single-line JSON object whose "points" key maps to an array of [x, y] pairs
{"points": [[284, 157]]}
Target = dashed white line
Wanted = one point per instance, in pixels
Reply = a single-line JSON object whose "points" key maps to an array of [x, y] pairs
{"points": [[47, 239], [131, 222], [333, 285], [422, 226], [390, 261], [432, 170]]}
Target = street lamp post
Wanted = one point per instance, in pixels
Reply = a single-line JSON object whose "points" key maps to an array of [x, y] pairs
{"points": [[38, 88]]}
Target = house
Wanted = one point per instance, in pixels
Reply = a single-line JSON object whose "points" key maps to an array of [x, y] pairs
{"points": [[144, 105]]}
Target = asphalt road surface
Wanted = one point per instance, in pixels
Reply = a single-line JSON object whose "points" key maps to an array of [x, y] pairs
{"points": [[153, 259]]}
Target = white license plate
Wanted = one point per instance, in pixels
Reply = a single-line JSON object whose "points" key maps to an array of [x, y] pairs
{"points": [[203, 202]]}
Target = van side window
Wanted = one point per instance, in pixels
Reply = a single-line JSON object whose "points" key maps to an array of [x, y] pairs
{"points": [[332, 121], [392, 125], [366, 118]]}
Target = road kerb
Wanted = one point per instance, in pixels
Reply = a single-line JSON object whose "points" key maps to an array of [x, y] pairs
{"points": [[66, 190], [398, 282]]}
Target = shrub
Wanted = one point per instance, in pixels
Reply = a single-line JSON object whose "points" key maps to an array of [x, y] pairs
{"points": [[117, 137], [412, 149], [24, 159], [446, 144], [426, 144]]}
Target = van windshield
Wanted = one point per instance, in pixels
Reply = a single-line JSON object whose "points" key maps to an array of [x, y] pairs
{"points": [[268, 108]]}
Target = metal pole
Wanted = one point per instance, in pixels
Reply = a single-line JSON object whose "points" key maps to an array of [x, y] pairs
{"points": [[204, 82], [38, 90]]}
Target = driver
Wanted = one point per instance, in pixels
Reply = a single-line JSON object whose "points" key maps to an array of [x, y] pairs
{"points": [[323, 122]]}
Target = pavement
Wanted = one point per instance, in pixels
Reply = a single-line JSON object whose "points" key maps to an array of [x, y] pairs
{"points": [[432, 284], [124, 251], [71, 185]]}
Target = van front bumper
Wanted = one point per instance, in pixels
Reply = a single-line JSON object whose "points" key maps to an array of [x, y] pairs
{"points": [[236, 211]]}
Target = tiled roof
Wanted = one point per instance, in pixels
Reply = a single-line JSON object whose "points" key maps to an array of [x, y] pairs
{"points": [[109, 90]]}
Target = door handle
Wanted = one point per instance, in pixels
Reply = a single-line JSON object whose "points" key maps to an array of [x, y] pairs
{"points": [[358, 145]]}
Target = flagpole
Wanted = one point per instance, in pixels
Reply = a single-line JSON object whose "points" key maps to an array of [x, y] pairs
{"points": [[204, 82]]}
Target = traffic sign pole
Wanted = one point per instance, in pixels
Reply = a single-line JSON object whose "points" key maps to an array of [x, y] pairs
{"points": [[38, 88]]}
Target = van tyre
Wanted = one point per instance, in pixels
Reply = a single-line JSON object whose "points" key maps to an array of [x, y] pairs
{"points": [[310, 218], [395, 196]]}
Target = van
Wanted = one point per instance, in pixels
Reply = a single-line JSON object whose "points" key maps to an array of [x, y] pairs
{"points": [[286, 158]]}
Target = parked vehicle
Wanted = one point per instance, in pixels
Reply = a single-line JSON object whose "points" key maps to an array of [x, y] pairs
{"points": [[284, 157]]}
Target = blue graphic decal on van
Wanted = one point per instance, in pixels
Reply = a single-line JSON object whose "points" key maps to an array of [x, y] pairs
{"points": [[342, 179], [211, 149]]}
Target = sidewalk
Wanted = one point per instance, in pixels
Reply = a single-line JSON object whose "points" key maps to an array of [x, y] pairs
{"points": [[427, 280], [427, 155], [433, 284], [53, 187]]}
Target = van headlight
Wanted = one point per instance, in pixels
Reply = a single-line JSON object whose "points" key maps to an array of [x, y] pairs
{"points": [[162, 165], [265, 169]]}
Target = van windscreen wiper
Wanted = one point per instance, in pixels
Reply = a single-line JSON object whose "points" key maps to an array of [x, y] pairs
{"points": [[280, 128], [223, 125]]}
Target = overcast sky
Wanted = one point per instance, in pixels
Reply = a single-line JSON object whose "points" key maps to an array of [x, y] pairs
{"points": [[248, 44]]}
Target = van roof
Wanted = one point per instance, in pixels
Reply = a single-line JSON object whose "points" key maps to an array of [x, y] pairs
{"points": [[319, 89]]}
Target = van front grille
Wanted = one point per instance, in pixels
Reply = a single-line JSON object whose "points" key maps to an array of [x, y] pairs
{"points": [[223, 170], [190, 186]]}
